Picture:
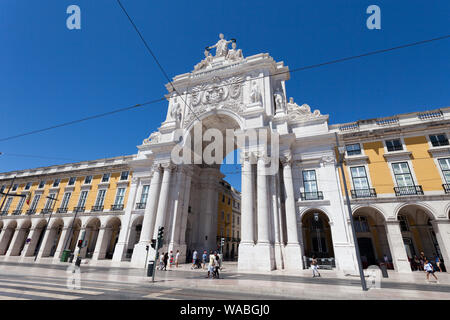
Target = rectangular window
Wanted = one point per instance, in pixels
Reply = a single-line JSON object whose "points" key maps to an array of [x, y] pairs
{"points": [[402, 174], [105, 177], [21, 202], [223, 198], [228, 217], [229, 201], [100, 198], [438, 140], [41, 184], [82, 200], [353, 149], [88, 180], [72, 181], [144, 194], [309, 181], [8, 204], [223, 216], [56, 183], [35, 202], [28, 186], [124, 175], [65, 200], [445, 167], [14, 188], [49, 203], [120, 196], [394, 145], [359, 178]]}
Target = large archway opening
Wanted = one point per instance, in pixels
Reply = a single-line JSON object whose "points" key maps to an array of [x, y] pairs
{"points": [[7, 236], [111, 236], [372, 238]]}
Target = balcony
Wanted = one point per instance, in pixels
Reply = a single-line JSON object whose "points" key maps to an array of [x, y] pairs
{"points": [[363, 193], [44, 211], [97, 208], [17, 212], [30, 211], [318, 195], [62, 210], [78, 209], [3, 213], [140, 205], [446, 187], [117, 207], [408, 191]]}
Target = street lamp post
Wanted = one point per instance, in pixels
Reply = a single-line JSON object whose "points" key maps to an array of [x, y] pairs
{"points": [[341, 153]]}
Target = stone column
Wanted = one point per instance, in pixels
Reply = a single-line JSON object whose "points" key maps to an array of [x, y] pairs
{"points": [[264, 251], [121, 246], [28, 248], [148, 224], [60, 246], [442, 230], [14, 245], [397, 247], [163, 200], [294, 252], [245, 249], [279, 263], [177, 210], [46, 243], [4, 238], [99, 245], [181, 234]]}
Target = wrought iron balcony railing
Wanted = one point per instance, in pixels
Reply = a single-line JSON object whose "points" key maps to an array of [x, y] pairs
{"points": [[44, 211], [17, 212], [408, 191], [117, 207], [140, 205], [97, 208], [78, 209], [318, 195], [62, 210], [3, 213], [446, 187], [363, 193], [30, 211]]}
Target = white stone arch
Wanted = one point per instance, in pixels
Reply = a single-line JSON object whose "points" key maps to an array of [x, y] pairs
{"points": [[39, 223], [56, 222], [12, 224], [87, 221], [27, 223], [370, 206], [447, 210], [321, 209], [422, 205], [323, 235], [7, 235]]}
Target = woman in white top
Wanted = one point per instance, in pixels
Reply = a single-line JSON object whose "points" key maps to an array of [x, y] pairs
{"points": [[429, 269]]}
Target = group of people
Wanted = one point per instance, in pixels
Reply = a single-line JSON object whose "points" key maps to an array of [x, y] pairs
{"points": [[214, 262], [418, 263], [168, 258]]}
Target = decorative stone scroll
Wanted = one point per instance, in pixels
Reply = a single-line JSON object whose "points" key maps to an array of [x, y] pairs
{"points": [[300, 113], [154, 138]]}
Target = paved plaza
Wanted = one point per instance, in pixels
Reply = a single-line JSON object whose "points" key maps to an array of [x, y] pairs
{"points": [[29, 280]]}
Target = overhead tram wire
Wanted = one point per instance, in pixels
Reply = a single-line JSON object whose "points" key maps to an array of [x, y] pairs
{"points": [[242, 81]]}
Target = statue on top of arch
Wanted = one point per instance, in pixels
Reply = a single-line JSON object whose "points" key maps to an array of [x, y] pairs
{"points": [[222, 50]]}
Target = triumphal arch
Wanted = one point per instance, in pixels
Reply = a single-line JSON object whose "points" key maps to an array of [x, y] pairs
{"points": [[230, 101]]}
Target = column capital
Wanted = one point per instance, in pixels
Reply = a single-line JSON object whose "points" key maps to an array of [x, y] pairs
{"points": [[392, 222], [247, 156], [261, 155], [168, 166], [286, 158]]}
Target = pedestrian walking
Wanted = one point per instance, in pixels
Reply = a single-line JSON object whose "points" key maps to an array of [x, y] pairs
{"points": [[216, 266], [422, 260], [166, 259], [171, 259], [194, 259], [314, 267], [438, 263], [211, 264], [204, 259], [177, 258], [161, 261], [429, 270]]}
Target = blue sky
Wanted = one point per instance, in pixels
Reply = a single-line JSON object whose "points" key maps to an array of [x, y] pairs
{"points": [[49, 74]]}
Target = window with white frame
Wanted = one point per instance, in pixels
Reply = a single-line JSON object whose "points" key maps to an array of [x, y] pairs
{"points": [[88, 180], [359, 178], [56, 183], [444, 163], [124, 175], [35, 201], [394, 145], [402, 174], [41, 184], [65, 200], [15, 186], [82, 199], [120, 196], [105, 177], [353, 149], [438, 140], [49, 203], [309, 181], [28, 186], [144, 194], [100, 198], [21, 202], [71, 181]]}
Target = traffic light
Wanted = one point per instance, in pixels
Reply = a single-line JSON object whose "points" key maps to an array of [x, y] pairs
{"points": [[146, 248], [153, 244], [222, 241], [80, 243], [161, 232]]}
